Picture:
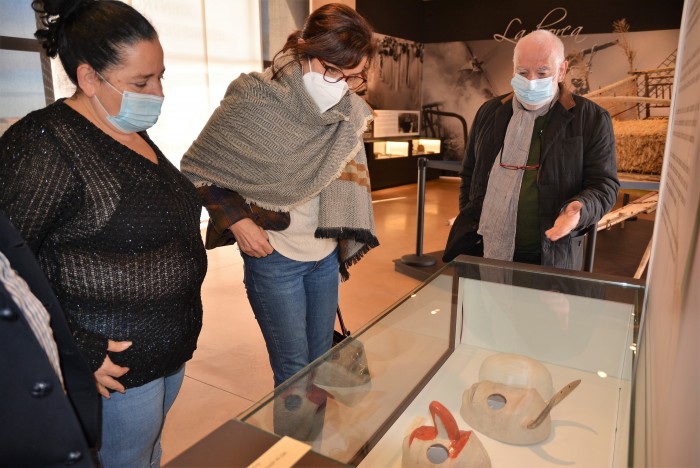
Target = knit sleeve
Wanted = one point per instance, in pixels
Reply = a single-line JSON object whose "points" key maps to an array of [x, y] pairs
{"points": [[92, 346], [40, 192], [38, 189]]}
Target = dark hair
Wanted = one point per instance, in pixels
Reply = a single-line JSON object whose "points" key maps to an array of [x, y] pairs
{"points": [[89, 31], [334, 33]]}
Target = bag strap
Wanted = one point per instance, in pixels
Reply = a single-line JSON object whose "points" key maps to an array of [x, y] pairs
{"points": [[342, 324]]}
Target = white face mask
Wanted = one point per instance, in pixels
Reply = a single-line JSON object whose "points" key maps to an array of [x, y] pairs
{"points": [[324, 94]]}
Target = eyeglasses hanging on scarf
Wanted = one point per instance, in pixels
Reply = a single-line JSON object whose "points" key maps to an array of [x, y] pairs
{"points": [[512, 167]]}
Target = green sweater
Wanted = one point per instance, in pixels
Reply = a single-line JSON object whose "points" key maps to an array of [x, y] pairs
{"points": [[527, 231]]}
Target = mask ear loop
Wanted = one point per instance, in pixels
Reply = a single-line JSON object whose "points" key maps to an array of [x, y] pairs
{"points": [[103, 107], [99, 101], [110, 84], [309, 60]]}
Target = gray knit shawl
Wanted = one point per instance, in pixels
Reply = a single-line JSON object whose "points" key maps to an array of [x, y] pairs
{"points": [[269, 142]]}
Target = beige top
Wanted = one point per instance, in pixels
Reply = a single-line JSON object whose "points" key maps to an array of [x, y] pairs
{"points": [[297, 241]]}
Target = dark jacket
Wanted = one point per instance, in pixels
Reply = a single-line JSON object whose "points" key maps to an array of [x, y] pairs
{"points": [[577, 162], [40, 425]]}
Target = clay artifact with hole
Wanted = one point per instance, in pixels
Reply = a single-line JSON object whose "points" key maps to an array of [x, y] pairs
{"points": [[508, 403]]}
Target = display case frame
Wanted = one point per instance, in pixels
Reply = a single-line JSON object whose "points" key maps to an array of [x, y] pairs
{"points": [[443, 333], [429, 345]]}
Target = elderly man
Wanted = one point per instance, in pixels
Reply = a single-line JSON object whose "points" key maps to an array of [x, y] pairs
{"points": [[539, 167]]}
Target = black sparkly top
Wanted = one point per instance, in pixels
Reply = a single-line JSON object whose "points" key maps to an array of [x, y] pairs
{"points": [[117, 235]]}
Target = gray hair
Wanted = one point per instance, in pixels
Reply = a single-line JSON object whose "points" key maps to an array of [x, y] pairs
{"points": [[543, 38]]}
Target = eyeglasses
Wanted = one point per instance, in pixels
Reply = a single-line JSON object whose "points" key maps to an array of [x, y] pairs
{"points": [[515, 168], [333, 75]]}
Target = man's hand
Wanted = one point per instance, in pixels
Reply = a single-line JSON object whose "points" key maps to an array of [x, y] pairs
{"points": [[251, 238], [566, 221], [105, 375]]}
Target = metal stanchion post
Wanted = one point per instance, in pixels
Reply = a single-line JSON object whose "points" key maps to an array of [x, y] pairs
{"points": [[419, 259], [590, 247]]}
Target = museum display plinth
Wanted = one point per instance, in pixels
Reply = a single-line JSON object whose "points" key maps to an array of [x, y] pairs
{"points": [[430, 346]]}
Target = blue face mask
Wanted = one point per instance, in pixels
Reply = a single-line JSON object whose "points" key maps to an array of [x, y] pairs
{"points": [[137, 113], [533, 93]]}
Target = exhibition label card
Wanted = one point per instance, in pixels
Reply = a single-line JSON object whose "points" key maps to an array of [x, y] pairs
{"points": [[284, 454]]}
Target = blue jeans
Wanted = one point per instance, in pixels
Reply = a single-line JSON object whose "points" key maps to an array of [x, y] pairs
{"points": [[132, 422], [294, 303]]}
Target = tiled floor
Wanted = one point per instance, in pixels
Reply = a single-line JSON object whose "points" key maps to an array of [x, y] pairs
{"points": [[230, 370]]}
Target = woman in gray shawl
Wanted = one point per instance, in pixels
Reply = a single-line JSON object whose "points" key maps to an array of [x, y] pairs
{"points": [[282, 170]]}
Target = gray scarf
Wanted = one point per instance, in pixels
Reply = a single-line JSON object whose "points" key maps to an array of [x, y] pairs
{"points": [[268, 141], [500, 210]]}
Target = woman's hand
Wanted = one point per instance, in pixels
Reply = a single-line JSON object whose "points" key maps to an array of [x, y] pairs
{"points": [[251, 238], [105, 375]]}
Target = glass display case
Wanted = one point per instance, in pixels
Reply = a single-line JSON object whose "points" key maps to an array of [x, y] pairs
{"points": [[426, 146], [430, 345], [358, 402], [398, 148], [392, 161], [391, 149]]}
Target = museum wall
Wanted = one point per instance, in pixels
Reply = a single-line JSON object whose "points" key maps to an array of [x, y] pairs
{"points": [[464, 20], [279, 18], [667, 376], [460, 76]]}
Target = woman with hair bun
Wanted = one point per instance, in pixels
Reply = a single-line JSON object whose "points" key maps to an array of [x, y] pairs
{"points": [[282, 170], [115, 226]]}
